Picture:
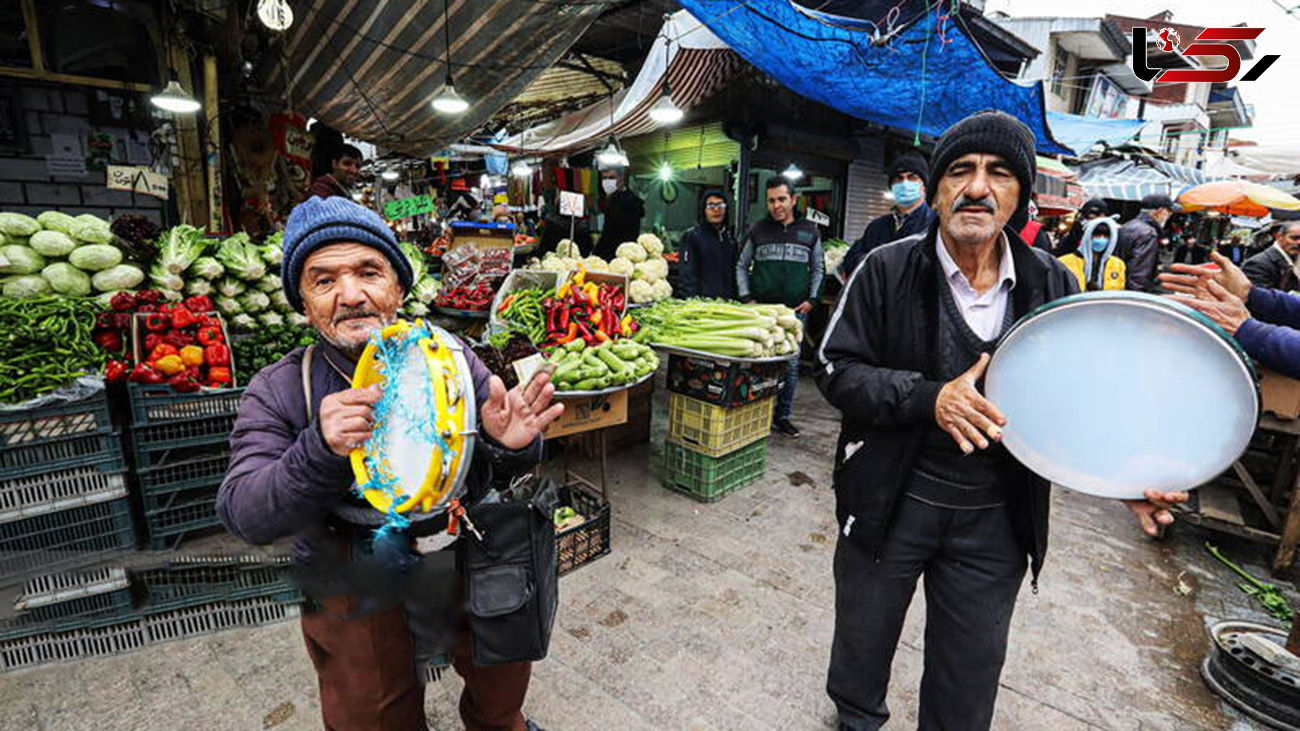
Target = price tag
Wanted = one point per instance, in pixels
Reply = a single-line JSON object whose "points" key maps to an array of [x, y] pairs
{"points": [[137, 179], [526, 367], [572, 204], [407, 207], [817, 217]]}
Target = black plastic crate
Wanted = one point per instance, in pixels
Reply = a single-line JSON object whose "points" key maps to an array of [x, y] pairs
{"points": [[35, 426], [210, 430], [196, 580], [166, 500], [173, 455], [42, 457], [33, 494], [97, 593], [174, 475], [169, 527], [66, 539], [579, 545], [154, 405], [722, 383]]}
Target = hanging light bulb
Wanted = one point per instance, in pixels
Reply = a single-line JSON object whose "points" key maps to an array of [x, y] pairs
{"points": [[792, 173], [173, 98], [521, 169], [665, 172], [448, 100], [275, 14], [390, 174], [664, 111], [612, 155]]}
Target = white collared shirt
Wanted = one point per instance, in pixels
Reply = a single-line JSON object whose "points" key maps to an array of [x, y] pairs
{"points": [[983, 312]]}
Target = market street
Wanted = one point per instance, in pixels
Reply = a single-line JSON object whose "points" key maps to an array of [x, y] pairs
{"points": [[719, 617]]}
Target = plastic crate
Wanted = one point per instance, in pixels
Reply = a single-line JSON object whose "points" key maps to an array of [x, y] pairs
{"points": [[174, 455], [153, 405], [710, 478], [133, 634], [722, 383], [714, 430], [103, 479], [42, 457], [196, 432], [65, 539], [34, 426], [169, 526], [579, 545], [176, 475], [105, 591], [196, 580]]}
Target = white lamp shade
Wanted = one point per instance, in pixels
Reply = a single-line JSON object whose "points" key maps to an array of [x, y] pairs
{"points": [[792, 173], [665, 112], [175, 99], [449, 101]]}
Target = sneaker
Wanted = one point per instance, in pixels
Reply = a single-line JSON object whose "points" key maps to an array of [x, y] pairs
{"points": [[785, 427]]}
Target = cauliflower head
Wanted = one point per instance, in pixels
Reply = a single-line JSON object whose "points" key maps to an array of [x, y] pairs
{"points": [[622, 266], [631, 251], [641, 291], [651, 243]]}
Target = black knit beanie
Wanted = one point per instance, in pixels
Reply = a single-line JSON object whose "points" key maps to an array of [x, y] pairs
{"points": [[991, 132], [910, 162]]}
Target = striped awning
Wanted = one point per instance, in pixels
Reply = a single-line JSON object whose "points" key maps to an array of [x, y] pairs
{"points": [[692, 60], [1133, 179], [372, 69]]}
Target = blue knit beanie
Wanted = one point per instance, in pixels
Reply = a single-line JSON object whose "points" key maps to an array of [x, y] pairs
{"points": [[318, 222]]}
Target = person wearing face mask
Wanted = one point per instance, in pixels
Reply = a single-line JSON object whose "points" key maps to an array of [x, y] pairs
{"points": [[1139, 242], [623, 213], [910, 214], [1092, 210], [1094, 263], [708, 253]]}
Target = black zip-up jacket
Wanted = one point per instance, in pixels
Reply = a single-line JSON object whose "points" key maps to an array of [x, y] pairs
{"points": [[708, 258], [876, 365]]}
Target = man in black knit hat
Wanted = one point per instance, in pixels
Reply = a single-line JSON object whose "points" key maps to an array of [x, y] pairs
{"points": [[922, 484], [909, 215]]}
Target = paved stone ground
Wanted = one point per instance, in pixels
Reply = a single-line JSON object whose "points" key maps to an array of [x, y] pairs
{"points": [[719, 617]]}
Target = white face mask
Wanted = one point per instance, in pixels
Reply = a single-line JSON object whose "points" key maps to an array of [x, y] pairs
{"points": [[609, 185]]}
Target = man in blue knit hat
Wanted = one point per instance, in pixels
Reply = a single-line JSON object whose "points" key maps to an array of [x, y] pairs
{"points": [[289, 472]]}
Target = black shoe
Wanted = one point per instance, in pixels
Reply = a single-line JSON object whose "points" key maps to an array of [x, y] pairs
{"points": [[785, 427], [530, 726]]}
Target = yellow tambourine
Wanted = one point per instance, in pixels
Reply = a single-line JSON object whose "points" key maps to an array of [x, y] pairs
{"points": [[421, 445]]}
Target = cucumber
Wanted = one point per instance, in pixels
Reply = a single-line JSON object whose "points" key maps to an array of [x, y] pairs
{"points": [[576, 345], [617, 367]]}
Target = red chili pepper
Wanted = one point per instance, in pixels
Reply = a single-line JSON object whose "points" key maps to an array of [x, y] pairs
{"points": [[110, 340], [144, 373], [117, 371], [182, 318], [157, 322], [198, 304], [122, 302], [183, 383], [217, 354], [210, 335]]}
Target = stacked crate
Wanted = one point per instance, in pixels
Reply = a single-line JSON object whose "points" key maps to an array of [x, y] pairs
{"points": [[719, 417], [63, 492], [180, 443]]}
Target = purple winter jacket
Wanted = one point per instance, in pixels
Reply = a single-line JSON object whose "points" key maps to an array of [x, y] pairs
{"points": [[283, 479]]}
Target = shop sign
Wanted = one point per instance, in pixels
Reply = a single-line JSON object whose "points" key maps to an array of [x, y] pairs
{"points": [[137, 179], [817, 217], [407, 207], [572, 204]]}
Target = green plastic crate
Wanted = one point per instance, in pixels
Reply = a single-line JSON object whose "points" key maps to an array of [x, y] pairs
{"points": [[708, 478]]}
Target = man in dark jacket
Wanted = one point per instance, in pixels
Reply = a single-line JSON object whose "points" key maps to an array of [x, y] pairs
{"points": [[909, 215], [1139, 242], [289, 472], [345, 169], [623, 213], [708, 253], [922, 484], [1275, 267], [782, 263]]}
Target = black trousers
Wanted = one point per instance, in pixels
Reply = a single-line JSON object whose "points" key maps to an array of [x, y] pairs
{"points": [[973, 568]]}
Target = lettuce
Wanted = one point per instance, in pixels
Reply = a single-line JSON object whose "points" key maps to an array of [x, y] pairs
{"points": [[51, 243], [16, 224], [241, 257], [56, 221], [22, 260], [207, 267], [67, 279], [95, 257], [122, 276], [179, 246]]}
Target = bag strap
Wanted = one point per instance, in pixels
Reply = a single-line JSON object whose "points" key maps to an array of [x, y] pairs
{"points": [[306, 378]]}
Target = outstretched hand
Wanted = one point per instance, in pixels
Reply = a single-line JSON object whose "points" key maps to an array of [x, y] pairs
{"points": [[1194, 281], [516, 417], [1154, 510], [1226, 309]]}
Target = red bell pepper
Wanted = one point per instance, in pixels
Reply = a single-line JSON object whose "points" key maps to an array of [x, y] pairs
{"points": [[121, 321], [157, 322], [122, 302], [144, 373], [162, 350], [178, 339], [104, 321], [217, 354], [148, 296], [146, 308], [182, 318], [198, 304], [151, 341], [117, 371], [170, 307], [219, 375], [110, 340], [192, 372], [210, 335], [183, 383]]}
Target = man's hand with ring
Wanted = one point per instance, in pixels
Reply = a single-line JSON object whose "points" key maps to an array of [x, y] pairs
{"points": [[963, 412], [346, 418]]}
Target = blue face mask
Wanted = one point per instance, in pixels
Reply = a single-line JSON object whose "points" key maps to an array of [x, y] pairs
{"points": [[906, 192], [1099, 243]]}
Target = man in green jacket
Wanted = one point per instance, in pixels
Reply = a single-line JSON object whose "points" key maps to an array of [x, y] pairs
{"points": [[782, 263]]}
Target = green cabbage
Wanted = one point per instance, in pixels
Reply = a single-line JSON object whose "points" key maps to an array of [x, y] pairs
{"points": [[122, 276], [16, 224], [179, 246], [22, 260], [95, 257], [241, 257], [31, 285], [90, 229], [67, 279], [51, 243], [207, 267], [56, 221]]}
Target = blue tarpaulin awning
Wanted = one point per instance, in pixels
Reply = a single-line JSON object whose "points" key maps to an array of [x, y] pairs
{"points": [[1134, 179], [923, 79], [1080, 133]]}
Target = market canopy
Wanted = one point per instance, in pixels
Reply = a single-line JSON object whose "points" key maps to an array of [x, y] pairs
{"points": [[925, 78], [1080, 133], [1134, 178], [1238, 198], [372, 69]]}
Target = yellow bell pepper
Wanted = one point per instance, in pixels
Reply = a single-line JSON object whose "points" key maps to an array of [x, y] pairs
{"points": [[169, 365], [591, 291], [192, 355]]}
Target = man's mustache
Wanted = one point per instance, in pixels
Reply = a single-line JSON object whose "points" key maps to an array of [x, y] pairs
{"points": [[989, 204], [354, 313]]}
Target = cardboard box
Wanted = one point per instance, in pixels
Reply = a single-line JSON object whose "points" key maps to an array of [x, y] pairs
{"points": [[586, 414], [1280, 395]]}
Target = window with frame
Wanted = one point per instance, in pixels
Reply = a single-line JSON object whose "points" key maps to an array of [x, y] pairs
{"points": [[1060, 59]]}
